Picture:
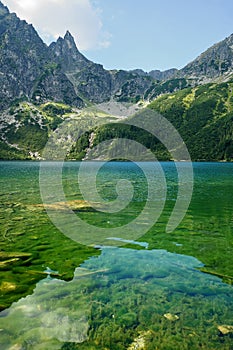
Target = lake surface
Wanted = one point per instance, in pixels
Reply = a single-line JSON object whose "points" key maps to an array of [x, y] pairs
{"points": [[124, 282]]}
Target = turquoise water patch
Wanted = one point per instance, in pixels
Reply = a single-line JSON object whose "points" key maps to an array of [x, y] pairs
{"points": [[123, 291]]}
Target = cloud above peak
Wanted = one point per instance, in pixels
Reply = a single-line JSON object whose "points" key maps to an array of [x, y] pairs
{"points": [[52, 18]]}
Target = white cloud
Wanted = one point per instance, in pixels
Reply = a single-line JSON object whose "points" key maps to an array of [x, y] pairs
{"points": [[53, 17]]}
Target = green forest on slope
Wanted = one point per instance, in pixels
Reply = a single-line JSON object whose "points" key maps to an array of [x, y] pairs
{"points": [[204, 118], [202, 115]]}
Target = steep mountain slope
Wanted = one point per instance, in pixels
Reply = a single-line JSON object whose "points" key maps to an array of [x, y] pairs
{"points": [[27, 70], [204, 118], [26, 127], [216, 62], [89, 79]]}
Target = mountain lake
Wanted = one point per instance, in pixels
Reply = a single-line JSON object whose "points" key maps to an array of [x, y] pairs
{"points": [[125, 284]]}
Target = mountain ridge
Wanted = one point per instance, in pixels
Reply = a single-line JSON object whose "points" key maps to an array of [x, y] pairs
{"points": [[60, 72], [212, 63]]}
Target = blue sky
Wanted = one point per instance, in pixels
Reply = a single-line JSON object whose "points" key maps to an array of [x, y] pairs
{"points": [[154, 34], [127, 34]]}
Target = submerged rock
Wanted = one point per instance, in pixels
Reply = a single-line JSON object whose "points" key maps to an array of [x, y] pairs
{"points": [[225, 330], [63, 206], [9, 262], [139, 343], [14, 255], [16, 347], [171, 317], [6, 287]]}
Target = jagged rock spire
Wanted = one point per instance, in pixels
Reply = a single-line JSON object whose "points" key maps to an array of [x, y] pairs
{"points": [[67, 53], [69, 39]]}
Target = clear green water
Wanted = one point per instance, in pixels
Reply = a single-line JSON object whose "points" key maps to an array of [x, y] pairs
{"points": [[58, 294]]}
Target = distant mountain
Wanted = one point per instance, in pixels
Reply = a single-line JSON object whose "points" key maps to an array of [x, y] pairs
{"points": [[164, 75], [216, 62], [157, 74]]}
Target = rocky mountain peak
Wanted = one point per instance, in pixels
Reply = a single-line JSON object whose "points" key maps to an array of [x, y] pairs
{"points": [[64, 45], [67, 53], [217, 61], [67, 43], [69, 38]]}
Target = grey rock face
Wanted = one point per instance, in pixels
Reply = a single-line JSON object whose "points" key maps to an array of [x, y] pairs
{"points": [[130, 85], [26, 64], [53, 85], [22, 55], [67, 55], [157, 74], [165, 75], [213, 63], [91, 80]]}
